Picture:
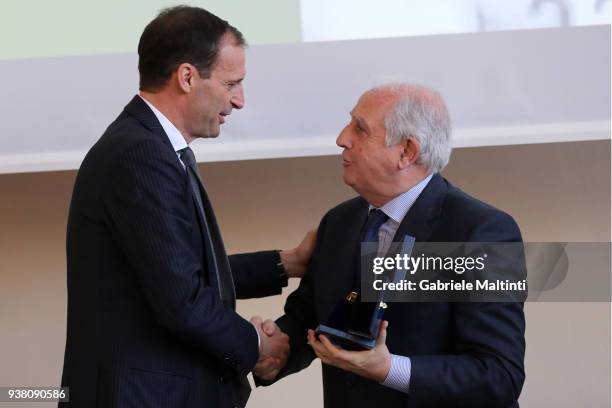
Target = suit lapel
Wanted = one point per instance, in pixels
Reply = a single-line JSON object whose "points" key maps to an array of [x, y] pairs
{"points": [[418, 221], [222, 270]]}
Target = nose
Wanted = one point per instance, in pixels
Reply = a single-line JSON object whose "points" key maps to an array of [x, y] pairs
{"points": [[237, 98], [343, 139]]}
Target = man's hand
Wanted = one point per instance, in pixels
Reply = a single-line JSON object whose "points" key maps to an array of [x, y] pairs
{"points": [[273, 350], [295, 261], [373, 364]]}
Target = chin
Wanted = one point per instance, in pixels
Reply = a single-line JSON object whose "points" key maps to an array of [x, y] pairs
{"points": [[210, 134], [347, 179], [216, 132]]}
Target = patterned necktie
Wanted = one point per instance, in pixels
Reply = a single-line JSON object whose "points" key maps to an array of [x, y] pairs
{"points": [[221, 276]]}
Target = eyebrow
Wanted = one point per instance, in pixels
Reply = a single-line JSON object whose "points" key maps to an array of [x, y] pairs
{"points": [[360, 121]]}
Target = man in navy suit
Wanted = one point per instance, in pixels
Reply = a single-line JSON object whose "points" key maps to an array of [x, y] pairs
{"points": [[433, 354], [151, 292]]}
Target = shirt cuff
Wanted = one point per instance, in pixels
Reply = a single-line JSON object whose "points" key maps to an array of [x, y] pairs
{"points": [[398, 377]]}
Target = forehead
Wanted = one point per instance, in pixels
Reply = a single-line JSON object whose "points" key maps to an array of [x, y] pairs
{"points": [[374, 105], [230, 61]]}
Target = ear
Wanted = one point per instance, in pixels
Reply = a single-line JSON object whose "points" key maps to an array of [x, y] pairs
{"points": [[411, 150], [186, 75]]}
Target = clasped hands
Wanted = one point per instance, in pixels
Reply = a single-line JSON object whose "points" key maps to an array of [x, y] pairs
{"points": [[273, 343], [273, 349]]}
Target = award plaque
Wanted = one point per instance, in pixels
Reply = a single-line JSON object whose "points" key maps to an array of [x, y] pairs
{"points": [[353, 324]]}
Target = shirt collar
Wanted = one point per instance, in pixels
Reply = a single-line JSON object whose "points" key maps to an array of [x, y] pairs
{"points": [[176, 138], [397, 208]]}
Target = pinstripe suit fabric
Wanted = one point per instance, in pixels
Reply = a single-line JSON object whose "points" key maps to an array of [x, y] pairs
{"points": [[145, 329]]}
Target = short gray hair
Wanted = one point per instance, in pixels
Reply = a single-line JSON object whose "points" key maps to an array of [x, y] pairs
{"points": [[420, 112]]}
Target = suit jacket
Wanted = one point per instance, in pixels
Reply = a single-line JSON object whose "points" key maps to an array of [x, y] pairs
{"points": [[145, 328], [463, 354]]}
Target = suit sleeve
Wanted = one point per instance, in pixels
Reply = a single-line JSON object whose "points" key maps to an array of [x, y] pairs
{"points": [[486, 366], [255, 274], [151, 224]]}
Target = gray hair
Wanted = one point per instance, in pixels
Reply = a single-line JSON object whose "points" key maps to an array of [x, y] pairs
{"points": [[421, 113]]}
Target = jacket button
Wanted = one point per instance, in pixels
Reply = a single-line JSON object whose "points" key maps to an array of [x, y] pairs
{"points": [[221, 379]]}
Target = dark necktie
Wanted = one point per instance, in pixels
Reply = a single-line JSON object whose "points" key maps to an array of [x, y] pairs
{"points": [[221, 275], [376, 218]]}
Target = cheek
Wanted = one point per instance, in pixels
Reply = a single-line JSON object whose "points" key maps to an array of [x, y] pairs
{"points": [[379, 164], [220, 97], [210, 111]]}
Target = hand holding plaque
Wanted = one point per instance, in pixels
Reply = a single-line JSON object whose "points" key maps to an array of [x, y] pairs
{"points": [[373, 364]]}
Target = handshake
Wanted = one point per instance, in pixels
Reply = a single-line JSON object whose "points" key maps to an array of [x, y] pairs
{"points": [[273, 349]]}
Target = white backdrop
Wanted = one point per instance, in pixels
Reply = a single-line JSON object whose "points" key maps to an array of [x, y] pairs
{"points": [[507, 87]]}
